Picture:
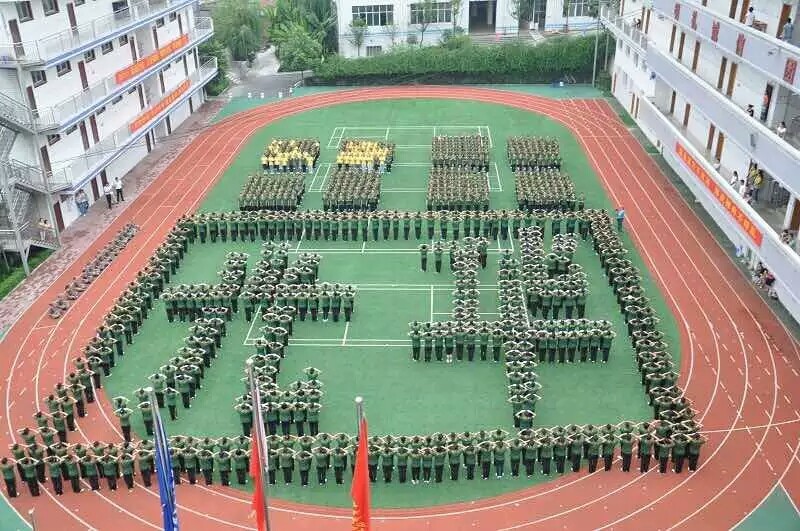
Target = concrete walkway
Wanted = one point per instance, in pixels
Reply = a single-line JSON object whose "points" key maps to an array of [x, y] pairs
{"points": [[84, 231]]}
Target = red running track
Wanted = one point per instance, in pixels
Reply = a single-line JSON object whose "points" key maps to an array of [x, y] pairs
{"points": [[739, 364]]}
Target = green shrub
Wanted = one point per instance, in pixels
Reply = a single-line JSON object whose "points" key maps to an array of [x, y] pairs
{"points": [[11, 278], [467, 63]]}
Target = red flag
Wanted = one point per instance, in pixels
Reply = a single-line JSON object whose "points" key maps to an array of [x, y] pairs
{"points": [[258, 492], [360, 488]]}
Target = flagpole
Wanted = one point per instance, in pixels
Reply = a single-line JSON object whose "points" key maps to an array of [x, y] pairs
{"points": [[359, 412], [259, 432], [165, 478]]}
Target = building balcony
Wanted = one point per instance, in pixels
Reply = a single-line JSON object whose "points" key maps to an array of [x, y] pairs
{"points": [[769, 55], [50, 50], [79, 171], [772, 153], [739, 221], [76, 108], [623, 29]]}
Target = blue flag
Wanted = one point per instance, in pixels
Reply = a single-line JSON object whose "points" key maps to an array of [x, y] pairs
{"points": [[166, 481]]}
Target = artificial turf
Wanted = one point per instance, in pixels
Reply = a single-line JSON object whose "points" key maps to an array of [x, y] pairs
{"points": [[367, 357]]}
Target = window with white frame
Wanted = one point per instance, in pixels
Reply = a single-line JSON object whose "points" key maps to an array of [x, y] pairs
{"points": [[123, 40], [39, 77], [24, 11], [440, 12], [63, 68], [89, 56], [374, 50], [50, 7], [107, 47], [381, 15], [579, 8]]}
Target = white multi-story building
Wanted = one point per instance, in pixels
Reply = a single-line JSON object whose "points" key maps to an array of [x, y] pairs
{"points": [[715, 87], [399, 22], [87, 89]]}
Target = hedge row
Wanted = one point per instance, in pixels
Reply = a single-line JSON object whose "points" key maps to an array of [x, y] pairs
{"points": [[503, 63]]}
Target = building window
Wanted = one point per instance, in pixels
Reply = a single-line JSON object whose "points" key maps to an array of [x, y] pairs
{"points": [[39, 77], [107, 47], [441, 12], [50, 7], [100, 111], [24, 11], [89, 56], [167, 67], [63, 68], [579, 8], [173, 16], [373, 50], [116, 100], [80, 2], [382, 15], [52, 139], [132, 90], [71, 130], [123, 41], [159, 22]]}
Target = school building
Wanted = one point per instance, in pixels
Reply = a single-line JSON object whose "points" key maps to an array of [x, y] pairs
{"points": [[87, 89], [714, 85], [403, 22]]}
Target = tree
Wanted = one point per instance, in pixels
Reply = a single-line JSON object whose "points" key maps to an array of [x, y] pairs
{"points": [[455, 9], [522, 12], [213, 48], [423, 14], [358, 32], [239, 25], [391, 30], [315, 17], [300, 52]]}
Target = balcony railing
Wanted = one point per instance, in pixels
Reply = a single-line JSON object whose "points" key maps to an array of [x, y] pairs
{"points": [[110, 147], [58, 45], [763, 52], [611, 18], [96, 95], [777, 256], [779, 158]]}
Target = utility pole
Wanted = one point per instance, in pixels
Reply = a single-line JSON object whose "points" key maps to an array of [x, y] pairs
{"points": [[596, 44]]}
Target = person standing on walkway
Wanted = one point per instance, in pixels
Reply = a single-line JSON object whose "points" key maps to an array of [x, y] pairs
{"points": [[118, 189], [82, 201], [108, 190]]}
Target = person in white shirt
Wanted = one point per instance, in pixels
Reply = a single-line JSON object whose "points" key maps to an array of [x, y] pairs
{"points": [[735, 179], [750, 17], [742, 188], [108, 190], [788, 30], [118, 189], [781, 129]]}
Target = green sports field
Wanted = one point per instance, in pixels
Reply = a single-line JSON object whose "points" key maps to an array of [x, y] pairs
{"points": [[371, 357]]}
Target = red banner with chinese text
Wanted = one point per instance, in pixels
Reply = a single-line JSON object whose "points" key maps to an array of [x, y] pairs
{"points": [[149, 60], [159, 107], [720, 195]]}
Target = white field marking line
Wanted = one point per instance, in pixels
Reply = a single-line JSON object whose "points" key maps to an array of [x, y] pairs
{"points": [[479, 313], [748, 428], [333, 135], [386, 135], [434, 131], [5, 499], [489, 134], [256, 316], [316, 174], [790, 498], [431, 319], [403, 190], [346, 329], [192, 149], [299, 242], [735, 294], [497, 176], [118, 507]]}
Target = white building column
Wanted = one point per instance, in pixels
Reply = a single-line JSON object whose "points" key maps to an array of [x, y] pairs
{"points": [[787, 218]]}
